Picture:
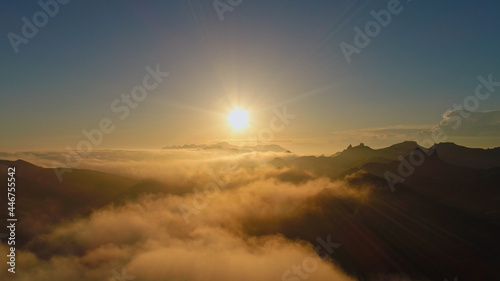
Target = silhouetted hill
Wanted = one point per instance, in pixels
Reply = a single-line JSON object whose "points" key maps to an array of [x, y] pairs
{"points": [[442, 218], [42, 201], [351, 157], [357, 156], [468, 157], [476, 191], [361, 153]]}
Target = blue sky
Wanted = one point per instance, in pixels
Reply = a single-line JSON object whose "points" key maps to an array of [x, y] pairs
{"points": [[262, 54]]}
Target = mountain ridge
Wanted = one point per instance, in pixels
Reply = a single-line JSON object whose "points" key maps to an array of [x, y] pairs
{"points": [[229, 147]]}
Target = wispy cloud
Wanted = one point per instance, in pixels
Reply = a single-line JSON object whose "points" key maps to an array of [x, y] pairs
{"points": [[468, 124]]}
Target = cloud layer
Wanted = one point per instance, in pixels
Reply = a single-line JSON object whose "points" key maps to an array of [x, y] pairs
{"points": [[153, 238]]}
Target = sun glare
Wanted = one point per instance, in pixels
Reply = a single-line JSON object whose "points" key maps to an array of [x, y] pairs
{"points": [[238, 119]]}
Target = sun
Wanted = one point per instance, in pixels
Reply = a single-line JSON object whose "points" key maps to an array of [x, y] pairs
{"points": [[238, 119]]}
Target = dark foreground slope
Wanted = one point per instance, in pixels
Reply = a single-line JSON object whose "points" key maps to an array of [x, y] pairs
{"points": [[42, 201], [442, 218]]}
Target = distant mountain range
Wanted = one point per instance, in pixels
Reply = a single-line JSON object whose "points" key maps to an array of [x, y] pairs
{"points": [[457, 175], [357, 156], [229, 147]]}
